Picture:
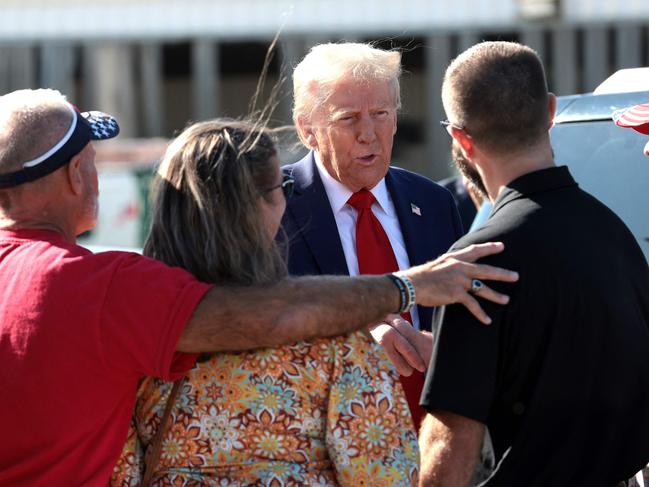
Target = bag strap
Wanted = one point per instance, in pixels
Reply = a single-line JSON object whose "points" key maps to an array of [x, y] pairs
{"points": [[152, 455]]}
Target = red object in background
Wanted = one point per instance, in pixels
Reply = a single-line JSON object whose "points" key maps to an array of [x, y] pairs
{"points": [[130, 212], [636, 117]]}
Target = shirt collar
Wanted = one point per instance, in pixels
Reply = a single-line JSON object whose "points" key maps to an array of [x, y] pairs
{"points": [[338, 193], [540, 181]]}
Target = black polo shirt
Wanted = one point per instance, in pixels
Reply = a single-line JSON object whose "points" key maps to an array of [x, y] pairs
{"points": [[561, 377]]}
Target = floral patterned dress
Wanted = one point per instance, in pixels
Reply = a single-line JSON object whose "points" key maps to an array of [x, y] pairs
{"points": [[320, 413]]}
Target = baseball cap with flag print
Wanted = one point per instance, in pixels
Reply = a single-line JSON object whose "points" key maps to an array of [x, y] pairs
{"points": [[85, 127]]}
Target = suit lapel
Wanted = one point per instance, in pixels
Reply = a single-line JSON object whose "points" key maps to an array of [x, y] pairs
{"points": [[414, 227], [417, 228], [314, 219]]}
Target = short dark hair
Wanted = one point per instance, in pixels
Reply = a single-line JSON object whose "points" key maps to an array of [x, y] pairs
{"points": [[497, 91]]}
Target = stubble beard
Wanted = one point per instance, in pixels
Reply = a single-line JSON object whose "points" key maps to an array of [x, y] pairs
{"points": [[468, 171]]}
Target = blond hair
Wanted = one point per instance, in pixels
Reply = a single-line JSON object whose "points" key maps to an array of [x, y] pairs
{"points": [[315, 77]]}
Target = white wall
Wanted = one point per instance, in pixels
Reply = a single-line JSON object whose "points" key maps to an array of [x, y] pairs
{"points": [[77, 19]]}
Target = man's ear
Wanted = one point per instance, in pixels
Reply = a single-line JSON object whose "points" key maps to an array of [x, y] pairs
{"points": [[305, 129], [73, 172], [552, 109], [465, 142]]}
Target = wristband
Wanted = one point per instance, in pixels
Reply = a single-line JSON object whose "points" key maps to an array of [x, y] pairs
{"points": [[406, 291]]}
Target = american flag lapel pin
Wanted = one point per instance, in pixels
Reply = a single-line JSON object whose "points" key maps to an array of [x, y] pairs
{"points": [[415, 209]]}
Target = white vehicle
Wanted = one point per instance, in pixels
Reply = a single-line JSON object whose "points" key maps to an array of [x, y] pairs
{"points": [[606, 160]]}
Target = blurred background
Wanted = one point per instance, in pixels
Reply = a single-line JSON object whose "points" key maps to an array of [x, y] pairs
{"points": [[159, 64]]}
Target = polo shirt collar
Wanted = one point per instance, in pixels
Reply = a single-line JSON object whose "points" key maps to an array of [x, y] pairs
{"points": [[540, 181], [339, 194]]}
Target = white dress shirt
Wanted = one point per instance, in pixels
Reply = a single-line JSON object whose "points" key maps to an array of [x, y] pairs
{"points": [[345, 216]]}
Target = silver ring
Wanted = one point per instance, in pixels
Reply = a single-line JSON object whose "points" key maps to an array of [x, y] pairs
{"points": [[476, 285]]}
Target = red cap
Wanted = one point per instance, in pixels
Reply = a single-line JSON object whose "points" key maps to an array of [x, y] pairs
{"points": [[636, 117]]}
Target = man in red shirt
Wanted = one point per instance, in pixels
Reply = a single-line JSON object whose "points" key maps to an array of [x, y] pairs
{"points": [[78, 330]]}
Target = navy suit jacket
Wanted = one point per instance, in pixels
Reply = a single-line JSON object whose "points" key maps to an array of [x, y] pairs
{"points": [[314, 243]]}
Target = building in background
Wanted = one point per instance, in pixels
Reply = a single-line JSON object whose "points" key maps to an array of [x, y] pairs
{"points": [[158, 64]]}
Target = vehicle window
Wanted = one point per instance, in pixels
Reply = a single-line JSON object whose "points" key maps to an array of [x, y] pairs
{"points": [[608, 162]]}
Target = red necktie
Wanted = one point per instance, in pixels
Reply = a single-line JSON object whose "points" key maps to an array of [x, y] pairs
{"points": [[375, 256]]}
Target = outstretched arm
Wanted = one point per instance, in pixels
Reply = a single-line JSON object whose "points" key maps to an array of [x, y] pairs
{"points": [[241, 318]]}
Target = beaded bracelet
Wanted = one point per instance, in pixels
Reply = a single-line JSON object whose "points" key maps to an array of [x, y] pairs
{"points": [[406, 291]]}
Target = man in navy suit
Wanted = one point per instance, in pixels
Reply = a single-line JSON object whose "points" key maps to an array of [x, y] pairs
{"points": [[346, 99]]}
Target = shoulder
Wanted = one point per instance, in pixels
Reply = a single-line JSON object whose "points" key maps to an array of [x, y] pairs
{"points": [[127, 275], [494, 229], [75, 259], [403, 175], [118, 259], [136, 264], [517, 236], [416, 182], [304, 172], [299, 166]]}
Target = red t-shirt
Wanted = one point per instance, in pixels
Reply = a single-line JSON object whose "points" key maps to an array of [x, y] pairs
{"points": [[77, 331]]}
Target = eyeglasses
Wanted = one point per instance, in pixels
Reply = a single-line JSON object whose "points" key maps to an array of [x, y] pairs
{"points": [[448, 125], [287, 186]]}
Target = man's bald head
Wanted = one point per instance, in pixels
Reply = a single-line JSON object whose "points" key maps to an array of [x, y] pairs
{"points": [[48, 178], [31, 123]]}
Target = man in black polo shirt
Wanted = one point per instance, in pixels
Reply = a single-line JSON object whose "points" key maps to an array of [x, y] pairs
{"points": [[561, 377]]}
